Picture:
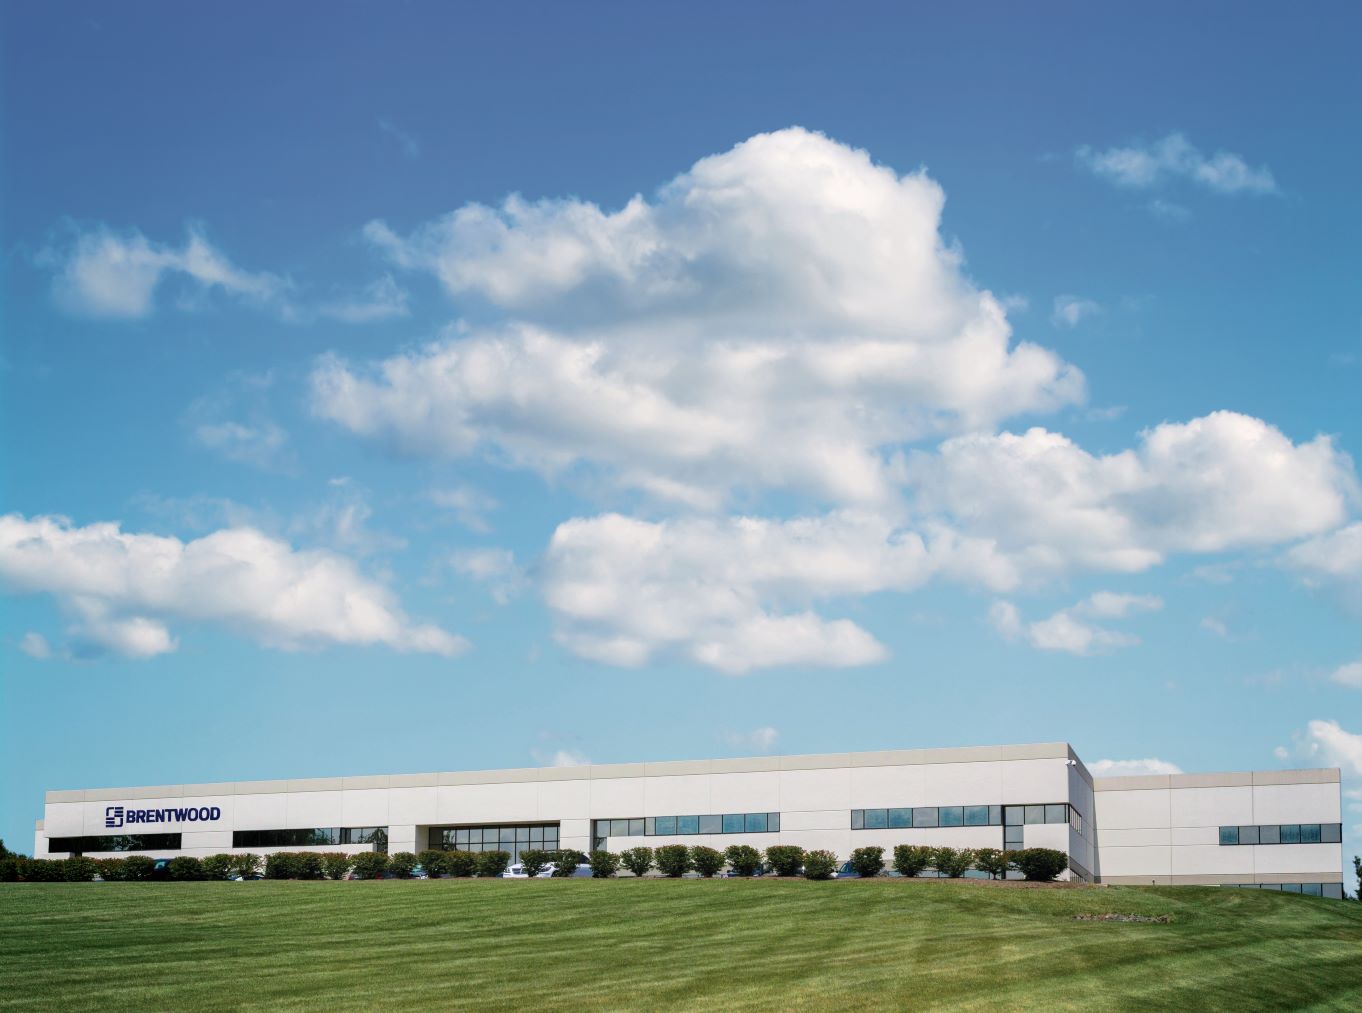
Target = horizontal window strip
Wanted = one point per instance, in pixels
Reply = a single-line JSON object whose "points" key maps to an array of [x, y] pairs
{"points": [[1282, 833], [685, 826], [309, 837], [115, 842], [932, 817]]}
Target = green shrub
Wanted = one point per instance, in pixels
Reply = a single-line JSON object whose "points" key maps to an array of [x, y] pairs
{"points": [[991, 861], [9, 868], [335, 864], [637, 860], [137, 868], [743, 859], [281, 865], [369, 865], [706, 861], [309, 864], [820, 865], [672, 860], [868, 862], [493, 863], [217, 866], [1040, 865], [44, 870], [952, 862], [565, 862], [912, 859], [112, 870], [433, 862], [80, 869], [184, 868], [402, 864], [604, 864], [460, 864], [532, 861], [246, 865], [785, 859]]}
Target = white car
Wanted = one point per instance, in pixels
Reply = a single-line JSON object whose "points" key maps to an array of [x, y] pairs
{"points": [[517, 871]]}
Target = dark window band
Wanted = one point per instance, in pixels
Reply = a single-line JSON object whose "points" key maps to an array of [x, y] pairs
{"points": [[115, 842], [1283, 833], [310, 837], [1009, 816]]}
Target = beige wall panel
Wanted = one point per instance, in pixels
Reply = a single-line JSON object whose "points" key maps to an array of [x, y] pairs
{"points": [[1295, 858], [744, 793], [412, 805], [1296, 803], [618, 798], [366, 807], [560, 800], [1136, 862], [679, 795], [1202, 860], [815, 789], [487, 803], [1145, 837], [1211, 807], [304, 809], [64, 819], [1130, 810], [1035, 781], [262, 812]]}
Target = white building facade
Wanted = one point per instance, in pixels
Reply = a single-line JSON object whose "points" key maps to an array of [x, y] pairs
{"points": [[1266, 829]]}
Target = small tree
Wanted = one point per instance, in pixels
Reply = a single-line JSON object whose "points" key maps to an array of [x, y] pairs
{"points": [[246, 866], [460, 864], [370, 865], [952, 862], [309, 865], [111, 870], [785, 859], [992, 861], [1357, 868], [604, 864], [432, 861], [138, 867], [868, 862], [185, 867], [533, 861], [217, 866], [820, 865], [911, 859], [743, 859], [637, 860], [80, 869], [335, 864], [281, 865], [1040, 865], [565, 862], [493, 863], [673, 860], [706, 861], [402, 864], [44, 870]]}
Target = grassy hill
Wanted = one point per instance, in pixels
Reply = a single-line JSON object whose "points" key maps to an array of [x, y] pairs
{"points": [[722, 944]]}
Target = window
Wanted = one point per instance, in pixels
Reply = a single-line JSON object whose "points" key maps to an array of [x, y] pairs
{"points": [[1310, 833], [511, 839], [858, 819], [1229, 835], [876, 819], [1330, 833], [711, 824], [952, 816], [925, 817], [1014, 815], [668, 826], [1012, 837], [688, 824], [965, 816], [1035, 814], [1270, 835], [900, 818], [115, 842], [976, 815], [1057, 813], [1291, 833], [756, 823], [1285, 833], [1248, 835]]}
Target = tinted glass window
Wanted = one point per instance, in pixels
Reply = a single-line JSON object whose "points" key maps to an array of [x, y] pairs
{"points": [[666, 825], [925, 817], [1270, 834], [1229, 835], [1035, 814], [951, 816], [1056, 814], [773, 823], [1012, 836], [995, 815], [976, 815], [756, 823], [1248, 835], [688, 824], [1310, 833], [857, 819], [1331, 833], [899, 818], [1291, 833], [711, 824], [876, 819], [1014, 814]]}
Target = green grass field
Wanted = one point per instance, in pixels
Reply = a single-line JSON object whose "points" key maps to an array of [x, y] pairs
{"points": [[721, 944]]}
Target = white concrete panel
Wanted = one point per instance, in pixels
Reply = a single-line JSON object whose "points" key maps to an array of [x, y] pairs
{"points": [[889, 787], [1035, 781], [401, 837], [618, 798], [559, 800], [1149, 861], [64, 819], [412, 805], [1204, 860], [805, 790], [1211, 807], [682, 795], [819, 819], [744, 793], [1139, 838], [1284, 858], [303, 809], [1184, 836], [487, 803], [1047, 835], [1296, 803], [576, 828], [214, 841], [1139, 809], [263, 812], [836, 841], [365, 807]]}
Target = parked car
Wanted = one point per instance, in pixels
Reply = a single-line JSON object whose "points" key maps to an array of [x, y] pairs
{"points": [[517, 871]]}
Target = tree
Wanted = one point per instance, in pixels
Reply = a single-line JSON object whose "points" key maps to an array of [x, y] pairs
{"points": [[432, 862], [532, 861], [673, 860], [336, 864], [370, 865], [868, 862], [217, 866], [246, 866], [493, 863], [460, 864], [785, 859], [307, 865], [743, 859], [992, 861], [565, 862], [820, 865], [138, 867], [185, 867], [1040, 865], [637, 860], [80, 869], [911, 859], [111, 870], [952, 862], [604, 864], [706, 861]]}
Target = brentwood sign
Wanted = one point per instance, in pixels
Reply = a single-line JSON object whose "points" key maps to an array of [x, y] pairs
{"points": [[117, 816]]}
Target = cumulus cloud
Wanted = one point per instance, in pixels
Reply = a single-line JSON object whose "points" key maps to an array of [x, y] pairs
{"points": [[235, 421], [1132, 768], [1072, 310], [382, 299], [758, 740], [781, 315], [470, 506], [1328, 744], [566, 758], [1143, 166], [1069, 629], [105, 273], [1331, 563], [122, 589], [1348, 675], [35, 645], [496, 568]]}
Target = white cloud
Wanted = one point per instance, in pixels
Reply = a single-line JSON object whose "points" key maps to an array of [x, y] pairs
{"points": [[1326, 743], [471, 506], [1332, 563], [382, 299], [496, 568], [35, 645], [1220, 482], [1146, 166], [782, 315], [758, 740], [1071, 310], [122, 588], [1282, 753], [1348, 675], [1213, 625], [108, 274], [1132, 768], [1067, 630], [563, 758]]}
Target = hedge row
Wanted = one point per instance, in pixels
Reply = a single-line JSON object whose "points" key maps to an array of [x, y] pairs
{"points": [[671, 860]]}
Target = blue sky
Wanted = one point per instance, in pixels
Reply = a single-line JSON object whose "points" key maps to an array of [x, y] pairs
{"points": [[412, 387]]}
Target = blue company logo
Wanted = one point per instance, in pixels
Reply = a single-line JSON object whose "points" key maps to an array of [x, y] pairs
{"points": [[116, 816]]}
